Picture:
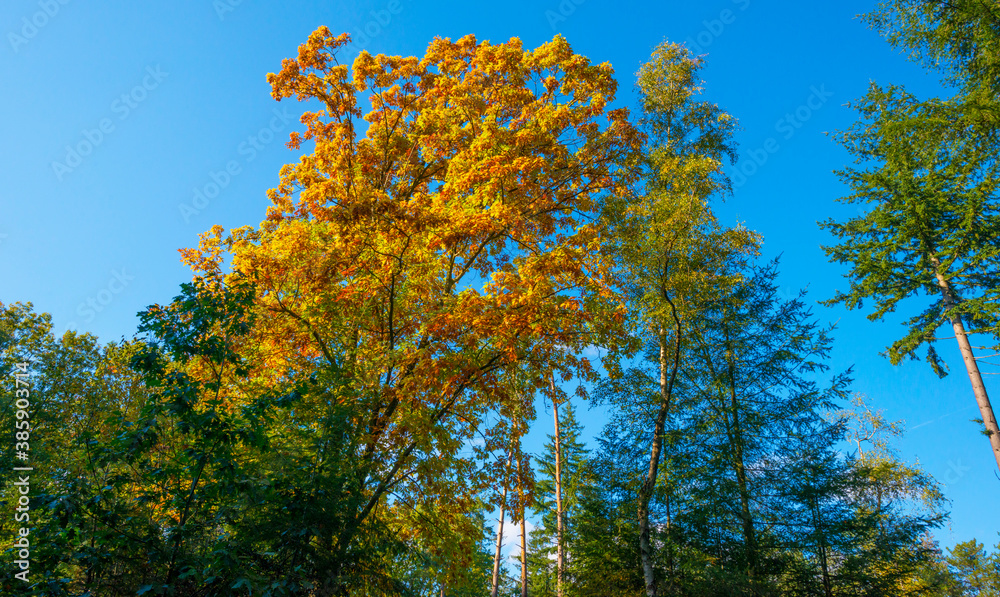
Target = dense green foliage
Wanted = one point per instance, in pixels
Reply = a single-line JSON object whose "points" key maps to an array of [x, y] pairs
{"points": [[340, 409], [169, 491], [926, 180]]}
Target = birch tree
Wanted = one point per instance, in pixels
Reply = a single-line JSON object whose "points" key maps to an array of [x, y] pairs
{"points": [[674, 252]]}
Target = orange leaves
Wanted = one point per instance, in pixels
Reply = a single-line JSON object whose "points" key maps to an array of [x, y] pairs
{"points": [[436, 246], [315, 54], [208, 257]]}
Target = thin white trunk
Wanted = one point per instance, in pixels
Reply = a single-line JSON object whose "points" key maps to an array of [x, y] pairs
{"points": [[524, 540], [560, 549], [646, 490], [496, 558]]}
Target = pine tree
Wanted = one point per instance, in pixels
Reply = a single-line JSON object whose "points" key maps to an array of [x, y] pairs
{"points": [[542, 549], [927, 179], [754, 399], [605, 548], [977, 571]]}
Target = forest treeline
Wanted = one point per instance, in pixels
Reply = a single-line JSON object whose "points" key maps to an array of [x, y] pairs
{"points": [[337, 403]]}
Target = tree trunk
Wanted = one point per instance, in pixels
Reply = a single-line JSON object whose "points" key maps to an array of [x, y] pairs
{"points": [[560, 550], [749, 535], [824, 566], [671, 569], [978, 388], [524, 539], [736, 445], [646, 490], [496, 558]]}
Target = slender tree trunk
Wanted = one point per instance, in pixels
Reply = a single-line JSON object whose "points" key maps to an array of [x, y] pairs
{"points": [[749, 534], [560, 550], [646, 490], [671, 569], [172, 570], [524, 539], [824, 566], [524, 559], [827, 587], [736, 445], [978, 387], [496, 557]]}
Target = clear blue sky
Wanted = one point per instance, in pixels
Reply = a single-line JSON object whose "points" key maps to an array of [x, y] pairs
{"points": [[168, 95]]}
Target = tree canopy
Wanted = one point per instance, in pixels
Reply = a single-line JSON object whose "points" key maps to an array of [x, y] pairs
{"points": [[342, 399]]}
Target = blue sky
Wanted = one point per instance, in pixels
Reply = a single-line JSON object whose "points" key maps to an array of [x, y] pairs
{"points": [[171, 100]]}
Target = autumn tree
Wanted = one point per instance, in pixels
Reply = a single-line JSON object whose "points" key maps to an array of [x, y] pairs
{"points": [[430, 242], [180, 476]]}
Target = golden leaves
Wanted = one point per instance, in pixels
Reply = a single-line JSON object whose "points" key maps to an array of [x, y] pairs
{"points": [[442, 246], [316, 54]]}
